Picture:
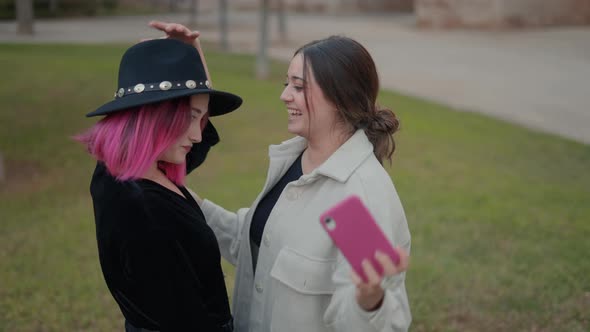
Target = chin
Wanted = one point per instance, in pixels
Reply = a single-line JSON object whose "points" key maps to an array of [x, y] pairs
{"points": [[295, 130], [176, 161]]}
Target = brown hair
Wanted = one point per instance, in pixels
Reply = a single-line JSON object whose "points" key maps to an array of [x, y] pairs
{"points": [[346, 74]]}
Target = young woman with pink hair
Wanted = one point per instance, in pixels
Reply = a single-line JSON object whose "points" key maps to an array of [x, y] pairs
{"points": [[159, 258]]}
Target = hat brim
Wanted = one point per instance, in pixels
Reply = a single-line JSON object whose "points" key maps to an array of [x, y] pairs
{"points": [[220, 102]]}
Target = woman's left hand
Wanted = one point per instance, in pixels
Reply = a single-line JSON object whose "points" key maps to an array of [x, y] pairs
{"points": [[176, 31], [369, 295]]}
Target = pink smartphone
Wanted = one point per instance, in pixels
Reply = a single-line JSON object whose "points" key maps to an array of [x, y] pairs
{"points": [[354, 231]]}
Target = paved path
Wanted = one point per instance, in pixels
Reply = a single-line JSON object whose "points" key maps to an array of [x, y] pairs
{"points": [[537, 78]]}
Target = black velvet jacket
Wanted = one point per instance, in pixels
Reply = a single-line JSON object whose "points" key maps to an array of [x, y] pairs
{"points": [[159, 258]]}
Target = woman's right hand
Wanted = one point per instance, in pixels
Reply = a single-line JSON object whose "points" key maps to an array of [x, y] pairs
{"points": [[180, 32], [369, 295], [177, 31]]}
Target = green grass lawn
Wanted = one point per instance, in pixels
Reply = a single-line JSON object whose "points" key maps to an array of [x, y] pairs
{"points": [[499, 215]]}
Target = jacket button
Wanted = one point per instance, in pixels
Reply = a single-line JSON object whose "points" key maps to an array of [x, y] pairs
{"points": [[258, 288]]}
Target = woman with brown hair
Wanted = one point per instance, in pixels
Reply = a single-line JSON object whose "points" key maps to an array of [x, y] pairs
{"points": [[289, 274]]}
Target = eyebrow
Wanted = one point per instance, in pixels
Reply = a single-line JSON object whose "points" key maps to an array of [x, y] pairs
{"points": [[293, 77]]}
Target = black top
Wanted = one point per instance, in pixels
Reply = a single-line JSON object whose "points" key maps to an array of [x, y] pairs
{"points": [[159, 258], [268, 202]]}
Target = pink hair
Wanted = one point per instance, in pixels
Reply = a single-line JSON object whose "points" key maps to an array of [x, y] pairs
{"points": [[130, 141]]}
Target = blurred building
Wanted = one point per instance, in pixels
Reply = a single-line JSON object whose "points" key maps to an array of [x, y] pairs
{"points": [[501, 13], [464, 13], [321, 6], [429, 13], [349, 5]]}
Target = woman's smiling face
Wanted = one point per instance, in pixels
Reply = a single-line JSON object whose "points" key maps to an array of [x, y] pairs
{"points": [[306, 117]]}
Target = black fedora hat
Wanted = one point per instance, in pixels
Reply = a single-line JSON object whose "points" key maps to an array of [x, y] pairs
{"points": [[162, 69]]}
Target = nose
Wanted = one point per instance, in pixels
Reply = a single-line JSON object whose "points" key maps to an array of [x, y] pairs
{"points": [[195, 134], [286, 96]]}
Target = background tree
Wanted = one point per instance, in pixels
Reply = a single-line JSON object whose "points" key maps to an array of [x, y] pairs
{"points": [[24, 16], [173, 5], [262, 57], [53, 5], [193, 13], [223, 28], [282, 20]]}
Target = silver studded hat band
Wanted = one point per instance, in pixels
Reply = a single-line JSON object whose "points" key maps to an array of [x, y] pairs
{"points": [[157, 70], [161, 86]]}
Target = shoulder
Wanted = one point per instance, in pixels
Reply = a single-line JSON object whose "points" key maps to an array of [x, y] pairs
{"points": [[372, 178], [122, 205], [374, 186], [106, 189]]}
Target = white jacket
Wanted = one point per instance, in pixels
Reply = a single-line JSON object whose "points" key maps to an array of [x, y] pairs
{"points": [[302, 281]]}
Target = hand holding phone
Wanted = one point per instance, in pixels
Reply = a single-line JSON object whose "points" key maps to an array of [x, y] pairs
{"points": [[355, 232]]}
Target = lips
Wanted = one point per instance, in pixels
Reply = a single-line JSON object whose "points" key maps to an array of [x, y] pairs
{"points": [[187, 148]]}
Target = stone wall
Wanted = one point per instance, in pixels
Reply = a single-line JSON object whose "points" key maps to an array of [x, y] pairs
{"points": [[321, 6], [501, 13], [545, 12], [333, 6]]}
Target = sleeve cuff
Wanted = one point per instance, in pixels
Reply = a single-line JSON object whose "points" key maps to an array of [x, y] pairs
{"points": [[379, 318]]}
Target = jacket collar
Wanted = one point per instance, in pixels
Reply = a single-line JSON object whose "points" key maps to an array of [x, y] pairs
{"points": [[341, 164]]}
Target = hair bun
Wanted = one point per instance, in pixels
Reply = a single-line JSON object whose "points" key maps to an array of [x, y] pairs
{"points": [[383, 121], [382, 124]]}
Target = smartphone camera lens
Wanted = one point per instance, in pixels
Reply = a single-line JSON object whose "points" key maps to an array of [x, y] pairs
{"points": [[330, 223]]}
